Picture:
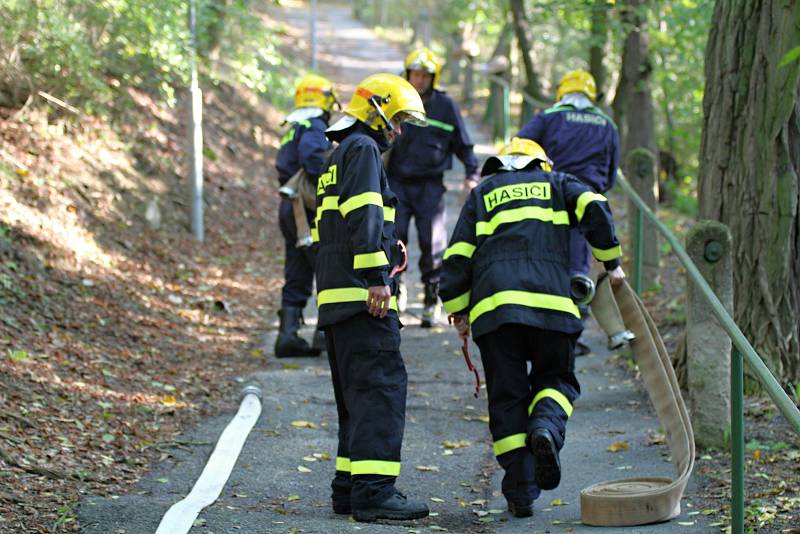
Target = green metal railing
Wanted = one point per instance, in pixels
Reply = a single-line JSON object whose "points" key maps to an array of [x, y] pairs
{"points": [[742, 351], [498, 109]]}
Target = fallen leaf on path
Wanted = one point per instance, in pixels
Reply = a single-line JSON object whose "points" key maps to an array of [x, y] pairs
{"points": [[618, 446], [558, 502], [303, 424], [447, 444], [437, 499], [293, 498], [303, 469], [428, 468]]}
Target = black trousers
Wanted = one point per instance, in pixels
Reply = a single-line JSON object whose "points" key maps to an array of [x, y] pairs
{"points": [[520, 401], [369, 383], [298, 269], [423, 200]]}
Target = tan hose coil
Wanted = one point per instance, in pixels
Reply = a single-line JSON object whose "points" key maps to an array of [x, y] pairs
{"points": [[638, 501]]}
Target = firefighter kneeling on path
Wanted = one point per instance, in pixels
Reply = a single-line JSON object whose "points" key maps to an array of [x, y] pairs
{"points": [[356, 260], [582, 141], [506, 276], [303, 145], [417, 163]]}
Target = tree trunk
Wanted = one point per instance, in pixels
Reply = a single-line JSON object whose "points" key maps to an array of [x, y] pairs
{"points": [[598, 45], [533, 85], [640, 125], [749, 164]]}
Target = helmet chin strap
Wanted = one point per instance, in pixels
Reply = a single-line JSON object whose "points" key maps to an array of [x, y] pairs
{"points": [[375, 101]]}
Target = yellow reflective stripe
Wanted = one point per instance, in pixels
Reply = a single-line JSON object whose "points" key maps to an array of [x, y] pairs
{"points": [[348, 294], [457, 304], [607, 254], [554, 394], [509, 443], [332, 203], [343, 464], [584, 201], [462, 248], [370, 259], [358, 201], [524, 298], [374, 467], [328, 204], [315, 235], [521, 214]]}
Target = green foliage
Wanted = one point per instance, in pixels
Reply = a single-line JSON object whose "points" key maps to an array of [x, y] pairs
{"points": [[678, 32], [83, 51]]}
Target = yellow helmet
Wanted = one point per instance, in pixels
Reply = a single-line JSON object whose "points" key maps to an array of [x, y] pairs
{"points": [[577, 81], [424, 59], [314, 91], [380, 97], [518, 154]]}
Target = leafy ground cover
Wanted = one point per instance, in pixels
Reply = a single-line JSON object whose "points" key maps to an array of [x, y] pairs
{"points": [[115, 335]]}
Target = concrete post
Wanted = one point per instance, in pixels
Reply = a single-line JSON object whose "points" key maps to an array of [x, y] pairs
{"points": [[640, 170], [708, 346]]}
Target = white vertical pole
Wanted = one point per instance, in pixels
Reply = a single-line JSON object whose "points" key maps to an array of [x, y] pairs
{"points": [[313, 31], [196, 139]]}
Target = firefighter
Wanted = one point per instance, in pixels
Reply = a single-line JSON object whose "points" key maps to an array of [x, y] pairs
{"points": [[416, 169], [303, 145], [357, 256], [582, 141], [506, 277]]}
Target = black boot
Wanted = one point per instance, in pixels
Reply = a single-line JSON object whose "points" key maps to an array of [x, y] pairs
{"points": [[395, 507], [430, 311], [318, 342], [289, 344], [547, 466], [520, 509]]}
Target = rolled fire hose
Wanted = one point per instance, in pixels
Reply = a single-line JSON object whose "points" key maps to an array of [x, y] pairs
{"points": [[642, 500], [303, 195]]}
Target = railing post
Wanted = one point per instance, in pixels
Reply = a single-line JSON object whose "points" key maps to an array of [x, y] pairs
{"points": [[640, 170], [498, 108], [737, 442], [708, 346], [638, 251], [527, 112], [505, 113]]}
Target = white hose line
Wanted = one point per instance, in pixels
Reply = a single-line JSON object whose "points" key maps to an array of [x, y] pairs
{"points": [[181, 515]]}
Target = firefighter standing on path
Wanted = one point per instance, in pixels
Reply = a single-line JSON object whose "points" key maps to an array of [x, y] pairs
{"points": [[303, 145], [582, 141], [507, 276], [354, 226], [416, 169]]}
